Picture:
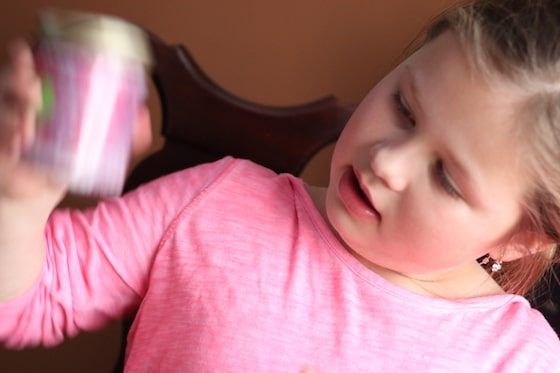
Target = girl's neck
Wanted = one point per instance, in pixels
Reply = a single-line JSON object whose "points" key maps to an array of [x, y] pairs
{"points": [[467, 281]]}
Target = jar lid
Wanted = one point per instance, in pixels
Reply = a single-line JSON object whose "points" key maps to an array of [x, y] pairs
{"points": [[99, 31]]}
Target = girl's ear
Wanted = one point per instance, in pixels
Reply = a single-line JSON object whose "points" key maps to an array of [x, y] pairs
{"points": [[523, 243]]}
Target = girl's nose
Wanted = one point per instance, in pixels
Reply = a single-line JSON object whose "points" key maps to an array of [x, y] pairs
{"points": [[395, 164]]}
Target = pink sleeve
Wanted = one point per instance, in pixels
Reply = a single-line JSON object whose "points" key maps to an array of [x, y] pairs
{"points": [[98, 261]]}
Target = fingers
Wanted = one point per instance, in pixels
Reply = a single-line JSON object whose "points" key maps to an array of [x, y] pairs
{"points": [[21, 78], [19, 99], [27, 88], [20, 55]]}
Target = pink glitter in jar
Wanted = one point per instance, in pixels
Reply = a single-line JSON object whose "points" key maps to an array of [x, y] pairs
{"points": [[93, 70]]}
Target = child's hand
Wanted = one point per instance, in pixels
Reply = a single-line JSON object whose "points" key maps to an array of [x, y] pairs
{"points": [[20, 101]]}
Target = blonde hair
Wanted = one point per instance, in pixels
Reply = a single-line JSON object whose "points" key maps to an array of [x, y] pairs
{"points": [[518, 41]]}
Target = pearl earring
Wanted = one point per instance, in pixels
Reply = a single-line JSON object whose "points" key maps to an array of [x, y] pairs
{"points": [[496, 266]]}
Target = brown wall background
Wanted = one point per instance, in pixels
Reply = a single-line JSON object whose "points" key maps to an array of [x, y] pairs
{"points": [[276, 52]]}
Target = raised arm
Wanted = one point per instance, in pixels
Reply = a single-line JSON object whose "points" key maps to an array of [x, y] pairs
{"points": [[27, 196]]}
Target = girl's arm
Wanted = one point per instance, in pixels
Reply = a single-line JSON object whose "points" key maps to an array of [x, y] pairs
{"points": [[27, 196]]}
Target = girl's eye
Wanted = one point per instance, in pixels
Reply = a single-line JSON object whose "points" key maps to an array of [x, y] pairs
{"points": [[443, 180], [403, 110]]}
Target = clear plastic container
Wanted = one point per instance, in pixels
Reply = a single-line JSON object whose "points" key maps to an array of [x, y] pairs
{"points": [[93, 72]]}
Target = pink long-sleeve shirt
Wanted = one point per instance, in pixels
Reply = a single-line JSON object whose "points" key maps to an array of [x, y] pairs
{"points": [[234, 270]]}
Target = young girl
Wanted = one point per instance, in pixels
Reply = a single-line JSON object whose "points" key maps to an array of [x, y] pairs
{"points": [[451, 158]]}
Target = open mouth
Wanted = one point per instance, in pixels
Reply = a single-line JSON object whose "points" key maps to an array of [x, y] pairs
{"points": [[354, 197], [361, 193]]}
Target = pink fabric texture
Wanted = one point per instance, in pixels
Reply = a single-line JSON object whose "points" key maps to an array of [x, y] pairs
{"points": [[234, 270]]}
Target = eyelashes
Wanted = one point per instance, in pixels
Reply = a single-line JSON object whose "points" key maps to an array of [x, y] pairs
{"points": [[443, 180], [403, 110]]}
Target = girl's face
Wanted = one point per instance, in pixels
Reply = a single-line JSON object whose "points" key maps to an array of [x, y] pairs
{"points": [[425, 177]]}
